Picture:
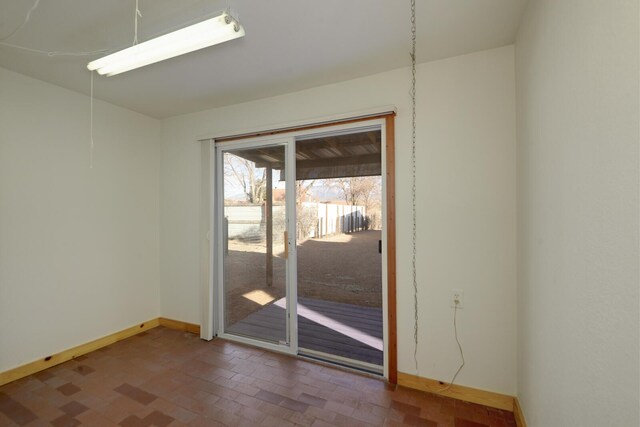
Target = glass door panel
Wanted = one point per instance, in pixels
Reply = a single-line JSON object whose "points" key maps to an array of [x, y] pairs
{"points": [[339, 242], [255, 244]]}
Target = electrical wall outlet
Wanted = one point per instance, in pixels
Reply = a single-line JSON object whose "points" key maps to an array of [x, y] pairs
{"points": [[457, 295]]}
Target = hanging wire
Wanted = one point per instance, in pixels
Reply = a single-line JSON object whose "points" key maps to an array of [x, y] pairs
{"points": [[55, 52], [91, 126], [26, 19], [413, 194], [135, 24], [455, 330], [42, 52], [413, 181]]}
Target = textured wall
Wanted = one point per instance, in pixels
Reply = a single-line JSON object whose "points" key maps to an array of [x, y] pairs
{"points": [[577, 91], [78, 246]]}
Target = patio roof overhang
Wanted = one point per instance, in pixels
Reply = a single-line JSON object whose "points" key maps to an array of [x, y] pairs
{"points": [[338, 156]]}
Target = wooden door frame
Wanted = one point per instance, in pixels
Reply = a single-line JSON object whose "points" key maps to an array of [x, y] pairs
{"points": [[389, 128], [392, 319]]}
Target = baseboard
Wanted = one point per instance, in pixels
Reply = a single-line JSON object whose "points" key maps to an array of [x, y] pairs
{"points": [[468, 394], [65, 355], [518, 414], [180, 325], [72, 353]]}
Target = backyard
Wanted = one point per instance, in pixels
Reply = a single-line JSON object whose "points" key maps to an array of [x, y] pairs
{"points": [[344, 268]]}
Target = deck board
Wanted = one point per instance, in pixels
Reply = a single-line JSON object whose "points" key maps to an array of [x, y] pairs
{"points": [[355, 322]]}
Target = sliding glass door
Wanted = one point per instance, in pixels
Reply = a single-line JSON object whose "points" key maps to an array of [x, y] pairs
{"points": [[256, 261], [300, 243]]}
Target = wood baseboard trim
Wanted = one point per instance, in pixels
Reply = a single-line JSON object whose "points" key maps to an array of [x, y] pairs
{"points": [[65, 355], [518, 414], [180, 325], [468, 394]]}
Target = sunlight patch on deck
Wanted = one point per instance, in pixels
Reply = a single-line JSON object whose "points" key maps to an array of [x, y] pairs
{"points": [[259, 297], [335, 325]]}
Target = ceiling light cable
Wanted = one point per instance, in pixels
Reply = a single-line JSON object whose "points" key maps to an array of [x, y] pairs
{"points": [[26, 19], [413, 182], [91, 127], [43, 52], [137, 14], [55, 52]]}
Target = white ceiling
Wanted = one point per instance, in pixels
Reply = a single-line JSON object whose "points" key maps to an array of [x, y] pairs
{"points": [[290, 45]]}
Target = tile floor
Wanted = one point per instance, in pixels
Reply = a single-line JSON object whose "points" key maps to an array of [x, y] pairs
{"points": [[169, 378]]}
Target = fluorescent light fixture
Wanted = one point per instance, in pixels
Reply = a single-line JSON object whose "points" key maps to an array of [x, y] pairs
{"points": [[216, 30]]}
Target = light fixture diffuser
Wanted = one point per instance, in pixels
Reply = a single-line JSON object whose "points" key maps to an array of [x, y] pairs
{"points": [[207, 33]]}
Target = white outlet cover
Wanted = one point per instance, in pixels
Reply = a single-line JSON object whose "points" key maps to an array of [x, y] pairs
{"points": [[456, 294]]}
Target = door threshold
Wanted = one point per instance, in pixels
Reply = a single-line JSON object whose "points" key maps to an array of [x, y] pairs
{"points": [[375, 371], [256, 343], [343, 362]]}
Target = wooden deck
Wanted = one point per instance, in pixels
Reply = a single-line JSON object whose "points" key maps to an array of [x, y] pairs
{"points": [[345, 330]]}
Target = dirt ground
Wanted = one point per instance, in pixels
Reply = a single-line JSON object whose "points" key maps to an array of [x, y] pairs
{"points": [[343, 268]]}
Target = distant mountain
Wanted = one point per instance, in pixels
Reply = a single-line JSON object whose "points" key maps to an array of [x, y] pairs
{"points": [[324, 193]]}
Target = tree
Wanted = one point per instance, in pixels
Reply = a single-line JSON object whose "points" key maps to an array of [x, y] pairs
{"points": [[243, 172], [307, 217], [359, 190], [302, 190]]}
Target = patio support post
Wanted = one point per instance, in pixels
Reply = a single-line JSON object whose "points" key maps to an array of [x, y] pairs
{"points": [[268, 208]]}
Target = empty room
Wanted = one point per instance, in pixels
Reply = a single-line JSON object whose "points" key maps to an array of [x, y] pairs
{"points": [[320, 213]]}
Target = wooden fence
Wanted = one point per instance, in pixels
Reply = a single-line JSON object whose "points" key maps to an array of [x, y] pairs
{"points": [[315, 220]]}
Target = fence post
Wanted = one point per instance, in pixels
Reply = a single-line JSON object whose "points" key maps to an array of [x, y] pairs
{"points": [[225, 235], [268, 207]]}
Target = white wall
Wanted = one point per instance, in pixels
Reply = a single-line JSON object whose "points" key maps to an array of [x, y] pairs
{"points": [[78, 246], [577, 89], [466, 204]]}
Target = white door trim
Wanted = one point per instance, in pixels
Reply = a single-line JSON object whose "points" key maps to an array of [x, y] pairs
{"points": [[214, 291]]}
